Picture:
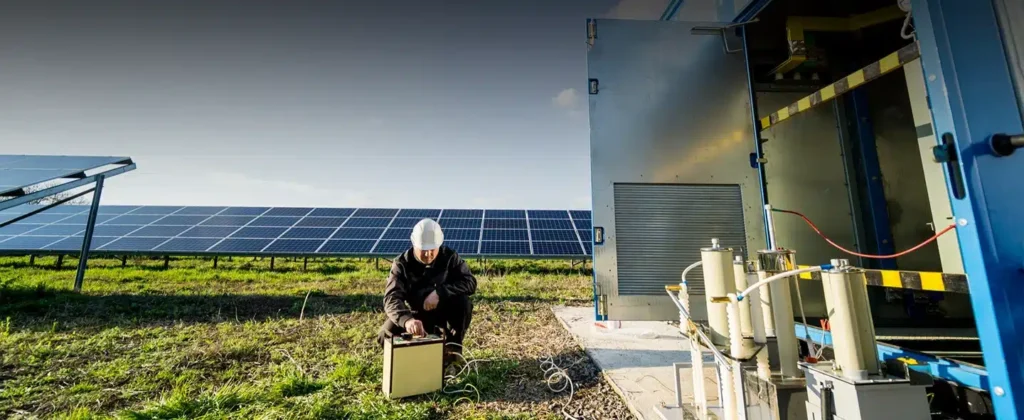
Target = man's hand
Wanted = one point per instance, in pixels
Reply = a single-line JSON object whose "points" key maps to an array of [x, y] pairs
{"points": [[431, 302], [415, 327]]}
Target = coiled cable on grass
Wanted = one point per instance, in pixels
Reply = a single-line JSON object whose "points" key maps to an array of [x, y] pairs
{"points": [[468, 361], [558, 380]]}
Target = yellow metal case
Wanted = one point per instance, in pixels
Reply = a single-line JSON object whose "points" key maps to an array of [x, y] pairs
{"points": [[413, 366]]}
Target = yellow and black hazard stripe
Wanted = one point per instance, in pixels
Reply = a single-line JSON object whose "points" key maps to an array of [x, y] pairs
{"points": [[870, 72], [911, 280]]}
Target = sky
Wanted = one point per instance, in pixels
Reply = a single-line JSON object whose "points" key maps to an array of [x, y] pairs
{"points": [[431, 103]]}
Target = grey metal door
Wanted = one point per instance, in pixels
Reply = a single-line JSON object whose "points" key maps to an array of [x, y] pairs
{"points": [[671, 136]]}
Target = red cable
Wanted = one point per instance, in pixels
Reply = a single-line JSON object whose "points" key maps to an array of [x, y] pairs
{"points": [[882, 257]]}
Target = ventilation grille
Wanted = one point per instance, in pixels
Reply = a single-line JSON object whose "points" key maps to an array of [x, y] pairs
{"points": [[660, 229]]}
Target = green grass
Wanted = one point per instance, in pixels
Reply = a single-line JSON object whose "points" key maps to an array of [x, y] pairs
{"points": [[194, 342]]}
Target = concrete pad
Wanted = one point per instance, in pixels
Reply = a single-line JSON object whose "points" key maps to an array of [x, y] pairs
{"points": [[637, 359]]}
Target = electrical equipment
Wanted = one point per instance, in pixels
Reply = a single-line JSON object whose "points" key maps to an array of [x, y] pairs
{"points": [[852, 386], [413, 365]]}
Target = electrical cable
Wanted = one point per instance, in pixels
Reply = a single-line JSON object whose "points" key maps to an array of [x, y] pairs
{"points": [[555, 375], [450, 380], [780, 276], [881, 257]]}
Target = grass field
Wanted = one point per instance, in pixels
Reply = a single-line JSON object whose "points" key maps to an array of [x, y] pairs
{"points": [[142, 342]]}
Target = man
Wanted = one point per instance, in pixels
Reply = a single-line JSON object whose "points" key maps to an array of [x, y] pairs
{"points": [[428, 290]]}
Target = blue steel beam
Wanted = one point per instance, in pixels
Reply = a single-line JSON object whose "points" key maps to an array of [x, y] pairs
{"points": [[879, 224], [960, 374], [972, 98]]}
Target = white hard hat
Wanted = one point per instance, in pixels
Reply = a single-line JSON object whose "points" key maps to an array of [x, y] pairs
{"points": [[427, 235]]}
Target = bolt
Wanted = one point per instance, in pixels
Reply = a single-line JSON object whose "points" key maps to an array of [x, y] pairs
{"points": [[962, 222], [999, 391]]}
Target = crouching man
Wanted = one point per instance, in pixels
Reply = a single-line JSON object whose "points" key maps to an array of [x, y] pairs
{"points": [[428, 290]]}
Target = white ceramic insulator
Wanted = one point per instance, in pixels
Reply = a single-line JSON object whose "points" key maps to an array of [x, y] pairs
{"points": [[782, 309], [740, 278], [718, 282], [767, 319], [728, 390], [756, 319], [735, 335], [764, 369], [848, 336]]}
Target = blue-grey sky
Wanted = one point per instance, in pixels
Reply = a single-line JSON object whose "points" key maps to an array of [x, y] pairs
{"points": [[351, 103]]}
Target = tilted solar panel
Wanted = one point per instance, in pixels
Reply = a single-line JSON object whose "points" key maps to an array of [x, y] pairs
{"points": [[296, 231]]}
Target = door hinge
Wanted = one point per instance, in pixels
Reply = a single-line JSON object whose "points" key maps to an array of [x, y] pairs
{"points": [[591, 33], [602, 305], [593, 86]]}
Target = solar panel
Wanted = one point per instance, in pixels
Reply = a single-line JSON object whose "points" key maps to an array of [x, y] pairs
{"points": [[463, 213], [20, 171], [505, 235], [504, 223], [582, 224], [29, 242], [400, 233], [557, 248], [321, 222], [289, 211], [234, 245], [461, 234], [550, 224], [460, 223], [156, 210], [367, 222], [580, 214], [274, 221], [308, 233], [294, 246], [244, 211], [553, 235], [129, 244], [259, 232], [358, 233], [200, 210], [420, 213], [179, 220], [130, 219], [388, 213], [296, 231], [391, 247], [405, 222], [187, 245], [505, 248], [225, 220], [505, 214], [349, 247], [202, 231], [328, 212], [463, 247], [548, 214], [161, 231]]}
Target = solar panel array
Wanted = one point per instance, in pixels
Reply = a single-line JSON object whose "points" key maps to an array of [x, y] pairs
{"points": [[296, 231], [18, 171]]}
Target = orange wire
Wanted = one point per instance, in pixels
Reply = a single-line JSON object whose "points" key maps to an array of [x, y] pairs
{"points": [[898, 254]]}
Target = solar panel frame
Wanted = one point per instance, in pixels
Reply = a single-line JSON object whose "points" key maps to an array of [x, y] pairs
{"points": [[347, 247], [18, 172], [358, 233]]}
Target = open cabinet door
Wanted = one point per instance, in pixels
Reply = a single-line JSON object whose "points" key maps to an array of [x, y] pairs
{"points": [[671, 138]]}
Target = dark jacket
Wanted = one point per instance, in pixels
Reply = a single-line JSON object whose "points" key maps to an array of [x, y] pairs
{"points": [[410, 282]]}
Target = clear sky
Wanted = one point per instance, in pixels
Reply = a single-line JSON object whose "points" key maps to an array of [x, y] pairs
{"points": [[433, 103]]}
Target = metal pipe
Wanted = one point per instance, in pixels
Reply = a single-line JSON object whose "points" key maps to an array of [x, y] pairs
{"points": [[90, 226], [700, 334], [678, 384], [718, 273]]}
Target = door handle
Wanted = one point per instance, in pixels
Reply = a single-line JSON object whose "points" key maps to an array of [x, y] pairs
{"points": [[1005, 144]]}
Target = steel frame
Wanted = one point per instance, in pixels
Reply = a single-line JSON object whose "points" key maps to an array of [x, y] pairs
{"points": [[973, 97]]}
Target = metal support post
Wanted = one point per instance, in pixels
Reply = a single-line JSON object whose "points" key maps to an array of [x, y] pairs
{"points": [[305, 263], [972, 97], [758, 156], [167, 261], [870, 171], [271, 263], [90, 226], [124, 261], [215, 261], [60, 261], [31, 260]]}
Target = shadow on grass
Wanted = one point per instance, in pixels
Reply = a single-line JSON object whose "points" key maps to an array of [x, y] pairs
{"points": [[39, 307]]}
